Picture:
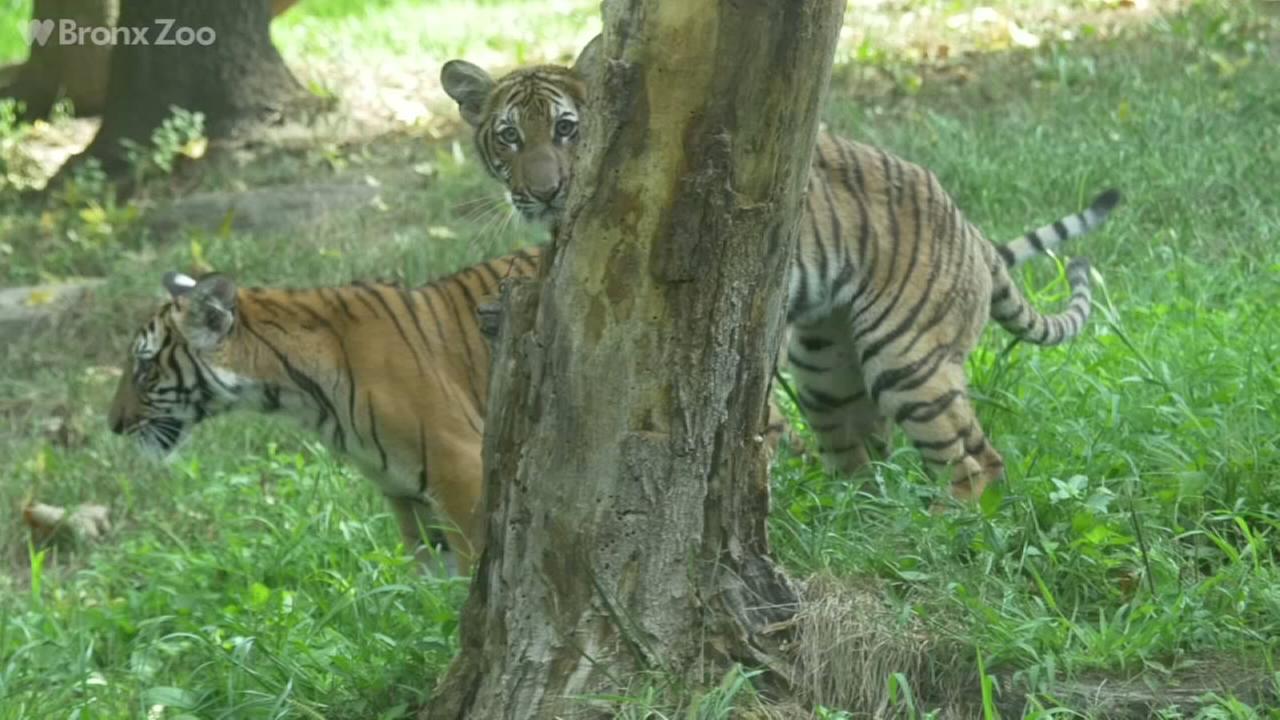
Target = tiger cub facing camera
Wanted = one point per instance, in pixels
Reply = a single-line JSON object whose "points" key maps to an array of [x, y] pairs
{"points": [[889, 290]]}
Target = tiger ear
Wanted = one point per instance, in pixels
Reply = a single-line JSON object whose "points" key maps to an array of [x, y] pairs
{"points": [[177, 284], [207, 307], [589, 60], [469, 86]]}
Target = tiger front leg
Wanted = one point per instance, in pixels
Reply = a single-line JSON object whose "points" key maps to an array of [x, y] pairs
{"points": [[849, 428], [432, 548], [831, 393]]}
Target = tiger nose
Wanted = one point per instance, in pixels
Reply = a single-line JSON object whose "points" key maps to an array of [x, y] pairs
{"points": [[543, 175], [547, 192]]}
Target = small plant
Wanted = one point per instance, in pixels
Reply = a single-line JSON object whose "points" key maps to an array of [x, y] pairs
{"points": [[182, 133], [83, 224], [77, 231], [901, 698], [84, 210], [18, 171], [988, 684], [1228, 708]]}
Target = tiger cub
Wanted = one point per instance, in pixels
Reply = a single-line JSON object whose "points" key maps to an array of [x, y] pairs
{"points": [[890, 286], [395, 379]]}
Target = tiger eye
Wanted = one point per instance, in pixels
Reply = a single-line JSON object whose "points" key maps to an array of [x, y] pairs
{"points": [[565, 127]]}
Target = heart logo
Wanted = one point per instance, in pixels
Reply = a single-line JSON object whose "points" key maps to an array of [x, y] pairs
{"points": [[38, 31]]}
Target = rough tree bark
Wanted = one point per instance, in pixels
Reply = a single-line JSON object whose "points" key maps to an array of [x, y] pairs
{"points": [[626, 478], [238, 81]]}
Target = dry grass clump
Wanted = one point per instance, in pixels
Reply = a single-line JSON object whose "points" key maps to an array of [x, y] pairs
{"points": [[851, 647]]}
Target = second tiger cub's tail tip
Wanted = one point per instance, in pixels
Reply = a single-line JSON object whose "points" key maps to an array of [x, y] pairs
{"points": [[1106, 201]]}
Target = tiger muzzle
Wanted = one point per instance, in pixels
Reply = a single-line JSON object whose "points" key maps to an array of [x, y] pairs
{"points": [[541, 172]]}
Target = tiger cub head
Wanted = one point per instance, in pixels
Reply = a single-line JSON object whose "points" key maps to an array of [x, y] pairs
{"points": [[526, 127], [176, 372]]}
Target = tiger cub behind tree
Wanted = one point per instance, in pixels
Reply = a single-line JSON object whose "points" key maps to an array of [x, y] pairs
{"points": [[889, 290], [395, 379]]}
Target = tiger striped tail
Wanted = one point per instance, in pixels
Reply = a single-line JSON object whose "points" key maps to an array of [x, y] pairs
{"points": [[1014, 312], [1048, 238]]}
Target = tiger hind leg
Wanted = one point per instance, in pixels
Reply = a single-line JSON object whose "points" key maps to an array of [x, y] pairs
{"points": [[935, 413]]}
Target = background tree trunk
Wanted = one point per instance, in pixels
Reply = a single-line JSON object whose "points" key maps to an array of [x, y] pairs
{"points": [[77, 72], [626, 478], [237, 81], [54, 70]]}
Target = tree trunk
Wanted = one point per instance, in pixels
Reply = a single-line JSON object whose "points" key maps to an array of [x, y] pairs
{"points": [[238, 80], [626, 477], [53, 70], [76, 71]]}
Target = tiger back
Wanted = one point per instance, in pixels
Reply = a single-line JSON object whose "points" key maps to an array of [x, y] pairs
{"points": [[889, 289]]}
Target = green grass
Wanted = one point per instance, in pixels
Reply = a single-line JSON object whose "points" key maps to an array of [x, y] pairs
{"points": [[297, 605], [259, 577], [343, 31]]}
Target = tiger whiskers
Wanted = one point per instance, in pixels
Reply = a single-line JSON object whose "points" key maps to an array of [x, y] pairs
{"points": [[484, 202], [495, 225], [488, 212]]}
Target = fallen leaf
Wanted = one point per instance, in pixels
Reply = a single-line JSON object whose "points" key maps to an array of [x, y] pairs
{"points": [[1021, 37], [50, 522], [39, 297], [103, 373], [991, 30], [195, 148], [64, 430]]}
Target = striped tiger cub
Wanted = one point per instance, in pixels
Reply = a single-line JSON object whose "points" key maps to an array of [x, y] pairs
{"points": [[393, 378], [889, 291]]}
